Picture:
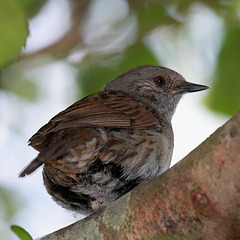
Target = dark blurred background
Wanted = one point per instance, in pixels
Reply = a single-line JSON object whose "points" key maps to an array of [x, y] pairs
{"points": [[74, 47]]}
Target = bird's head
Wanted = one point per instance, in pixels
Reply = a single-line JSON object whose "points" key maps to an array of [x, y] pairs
{"points": [[160, 87]]}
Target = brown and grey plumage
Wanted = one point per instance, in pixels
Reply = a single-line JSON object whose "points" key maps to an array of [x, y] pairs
{"points": [[107, 143]]}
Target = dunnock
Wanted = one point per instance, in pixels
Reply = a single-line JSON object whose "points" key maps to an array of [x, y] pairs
{"points": [[104, 145]]}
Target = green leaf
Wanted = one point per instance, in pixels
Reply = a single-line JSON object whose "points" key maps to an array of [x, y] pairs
{"points": [[225, 93], [13, 31], [21, 233], [32, 7]]}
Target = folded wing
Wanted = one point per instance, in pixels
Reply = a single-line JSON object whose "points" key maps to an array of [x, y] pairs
{"points": [[104, 110]]}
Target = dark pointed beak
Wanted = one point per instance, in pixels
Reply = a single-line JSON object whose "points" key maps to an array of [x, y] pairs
{"points": [[187, 87]]}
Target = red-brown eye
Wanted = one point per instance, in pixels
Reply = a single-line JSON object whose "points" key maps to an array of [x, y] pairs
{"points": [[160, 81]]}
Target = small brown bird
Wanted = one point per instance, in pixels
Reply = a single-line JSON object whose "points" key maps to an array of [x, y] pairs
{"points": [[104, 145]]}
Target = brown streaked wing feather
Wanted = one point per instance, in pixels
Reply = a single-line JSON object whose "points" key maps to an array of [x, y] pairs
{"points": [[63, 142], [105, 109]]}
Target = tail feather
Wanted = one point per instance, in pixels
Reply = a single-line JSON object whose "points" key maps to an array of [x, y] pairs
{"points": [[49, 153], [36, 163]]}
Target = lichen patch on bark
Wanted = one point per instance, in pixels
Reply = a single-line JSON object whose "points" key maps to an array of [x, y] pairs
{"points": [[114, 215]]}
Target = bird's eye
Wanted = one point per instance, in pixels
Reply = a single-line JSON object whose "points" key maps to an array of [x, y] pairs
{"points": [[160, 81]]}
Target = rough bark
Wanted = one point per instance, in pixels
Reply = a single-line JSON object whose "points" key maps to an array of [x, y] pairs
{"points": [[198, 198]]}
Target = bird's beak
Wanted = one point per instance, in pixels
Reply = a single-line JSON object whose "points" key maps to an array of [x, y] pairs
{"points": [[187, 87]]}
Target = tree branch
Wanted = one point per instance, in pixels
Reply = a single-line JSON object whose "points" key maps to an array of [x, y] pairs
{"points": [[198, 198]]}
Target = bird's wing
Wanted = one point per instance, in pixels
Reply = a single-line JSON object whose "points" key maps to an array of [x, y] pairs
{"points": [[66, 146], [80, 123], [110, 109]]}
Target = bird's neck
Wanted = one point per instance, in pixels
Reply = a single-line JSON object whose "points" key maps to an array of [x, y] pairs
{"points": [[166, 108], [163, 109]]}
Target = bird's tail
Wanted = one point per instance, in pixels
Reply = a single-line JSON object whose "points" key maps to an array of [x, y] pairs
{"points": [[35, 164]]}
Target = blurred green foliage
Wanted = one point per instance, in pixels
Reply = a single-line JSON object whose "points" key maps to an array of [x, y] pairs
{"points": [[225, 94], [95, 69], [95, 75], [31, 7], [15, 81], [150, 14], [13, 31], [10, 204]]}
